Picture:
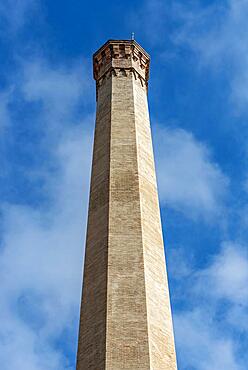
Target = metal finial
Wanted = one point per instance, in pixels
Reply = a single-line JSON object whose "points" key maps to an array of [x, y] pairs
{"points": [[132, 35]]}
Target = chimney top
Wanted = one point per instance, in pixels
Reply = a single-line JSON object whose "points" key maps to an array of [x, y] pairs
{"points": [[121, 54]]}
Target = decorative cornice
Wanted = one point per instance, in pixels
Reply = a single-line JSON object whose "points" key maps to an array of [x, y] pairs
{"points": [[118, 55], [120, 72]]}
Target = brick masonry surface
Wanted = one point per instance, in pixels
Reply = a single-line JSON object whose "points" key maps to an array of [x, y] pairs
{"points": [[125, 321]]}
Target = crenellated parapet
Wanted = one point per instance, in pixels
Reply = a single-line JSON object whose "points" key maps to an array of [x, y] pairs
{"points": [[121, 58]]}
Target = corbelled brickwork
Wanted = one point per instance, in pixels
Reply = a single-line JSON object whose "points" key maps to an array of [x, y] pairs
{"points": [[125, 319]]}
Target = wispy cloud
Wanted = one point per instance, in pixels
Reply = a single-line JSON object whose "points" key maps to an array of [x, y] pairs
{"points": [[42, 246], [215, 311], [217, 34], [58, 88], [227, 277], [189, 179], [202, 346], [15, 14]]}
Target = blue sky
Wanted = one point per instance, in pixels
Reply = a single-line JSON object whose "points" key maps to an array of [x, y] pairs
{"points": [[198, 96]]}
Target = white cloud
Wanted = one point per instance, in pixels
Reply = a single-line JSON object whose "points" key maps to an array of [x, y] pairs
{"points": [[188, 178], [202, 347], [216, 308], [42, 247], [58, 88], [43, 254], [217, 33], [227, 277]]}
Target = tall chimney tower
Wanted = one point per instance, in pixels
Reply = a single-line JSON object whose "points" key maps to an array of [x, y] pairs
{"points": [[125, 321]]}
